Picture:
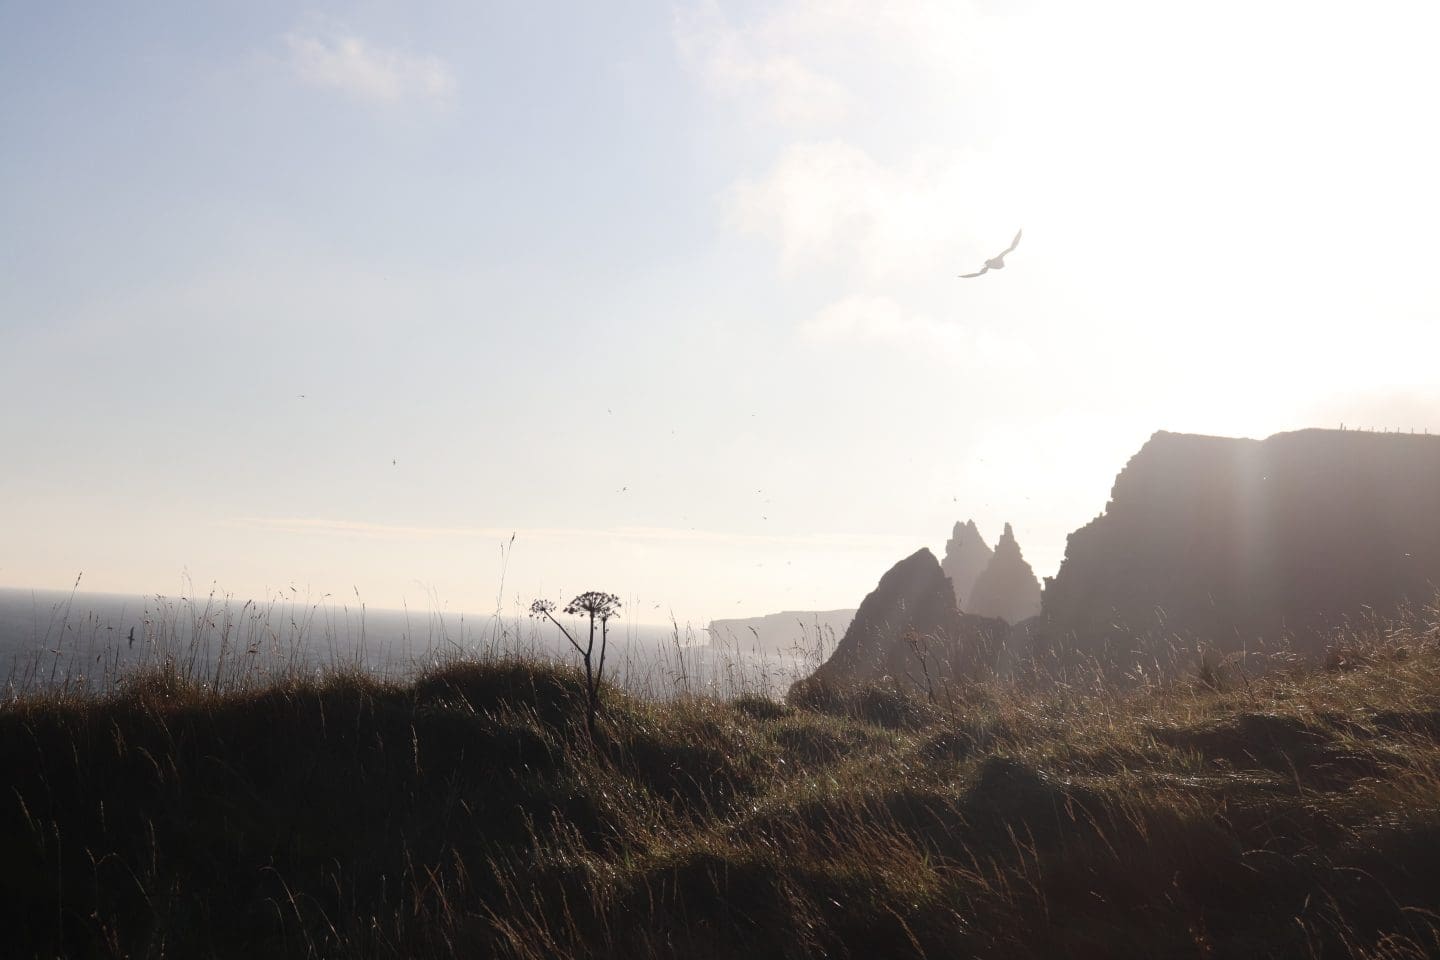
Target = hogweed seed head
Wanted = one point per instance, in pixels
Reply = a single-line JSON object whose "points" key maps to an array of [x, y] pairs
{"points": [[595, 603]]}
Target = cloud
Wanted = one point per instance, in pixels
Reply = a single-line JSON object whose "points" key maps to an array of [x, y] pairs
{"points": [[1148, 182], [950, 44], [787, 59], [831, 204], [871, 319], [777, 85], [881, 321], [349, 64]]}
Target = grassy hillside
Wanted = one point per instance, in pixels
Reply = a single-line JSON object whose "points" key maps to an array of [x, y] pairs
{"points": [[468, 814]]}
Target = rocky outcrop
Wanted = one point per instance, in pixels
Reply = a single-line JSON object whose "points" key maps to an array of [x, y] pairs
{"points": [[966, 557], [909, 627], [1007, 588], [1235, 544], [799, 631]]}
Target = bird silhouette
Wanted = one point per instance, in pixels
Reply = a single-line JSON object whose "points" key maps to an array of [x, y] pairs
{"points": [[996, 262], [132, 636]]}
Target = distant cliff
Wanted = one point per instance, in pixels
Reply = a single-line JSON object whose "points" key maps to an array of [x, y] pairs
{"points": [[1233, 543], [966, 557], [908, 626], [1007, 588], [803, 631]]}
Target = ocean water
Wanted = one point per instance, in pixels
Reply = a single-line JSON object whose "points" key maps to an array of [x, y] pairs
{"points": [[50, 639]]}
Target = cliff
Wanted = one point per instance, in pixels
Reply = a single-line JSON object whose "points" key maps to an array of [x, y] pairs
{"points": [[1236, 543], [909, 626], [1007, 588], [966, 557]]}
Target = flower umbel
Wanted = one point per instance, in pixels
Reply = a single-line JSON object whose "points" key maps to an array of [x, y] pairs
{"points": [[594, 603]]}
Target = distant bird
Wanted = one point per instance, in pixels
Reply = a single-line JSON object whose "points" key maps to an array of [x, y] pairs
{"points": [[394, 463], [996, 262], [132, 636]]}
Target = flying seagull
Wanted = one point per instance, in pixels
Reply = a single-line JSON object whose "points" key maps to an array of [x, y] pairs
{"points": [[996, 262]]}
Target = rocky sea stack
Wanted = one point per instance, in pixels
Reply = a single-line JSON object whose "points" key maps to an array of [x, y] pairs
{"points": [[1007, 589], [966, 557]]}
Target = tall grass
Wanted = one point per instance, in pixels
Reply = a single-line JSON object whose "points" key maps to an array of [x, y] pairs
{"points": [[460, 809], [226, 644]]}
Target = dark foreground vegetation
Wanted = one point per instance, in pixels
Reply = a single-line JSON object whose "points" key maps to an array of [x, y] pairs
{"points": [[469, 813]]}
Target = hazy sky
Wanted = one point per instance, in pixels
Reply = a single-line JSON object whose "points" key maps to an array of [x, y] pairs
{"points": [[340, 296]]}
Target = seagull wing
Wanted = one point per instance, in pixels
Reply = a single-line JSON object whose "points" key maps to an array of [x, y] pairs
{"points": [[1013, 243], [967, 276]]}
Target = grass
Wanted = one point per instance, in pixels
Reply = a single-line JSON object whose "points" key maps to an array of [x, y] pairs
{"points": [[467, 812]]}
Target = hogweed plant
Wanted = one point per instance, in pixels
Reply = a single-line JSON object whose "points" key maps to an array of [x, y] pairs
{"points": [[597, 606]]}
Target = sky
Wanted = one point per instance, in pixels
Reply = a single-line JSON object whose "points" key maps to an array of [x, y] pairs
{"points": [[461, 304]]}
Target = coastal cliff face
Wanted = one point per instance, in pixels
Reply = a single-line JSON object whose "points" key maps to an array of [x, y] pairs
{"points": [[1234, 544], [966, 557], [912, 615]]}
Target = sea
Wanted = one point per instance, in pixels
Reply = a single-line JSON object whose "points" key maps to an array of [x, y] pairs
{"points": [[96, 641]]}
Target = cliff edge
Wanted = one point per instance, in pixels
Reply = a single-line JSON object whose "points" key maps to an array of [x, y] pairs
{"points": [[1237, 543]]}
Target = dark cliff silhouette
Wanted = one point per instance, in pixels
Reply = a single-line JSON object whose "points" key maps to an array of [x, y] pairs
{"points": [[1232, 544], [966, 557], [909, 628], [1007, 588]]}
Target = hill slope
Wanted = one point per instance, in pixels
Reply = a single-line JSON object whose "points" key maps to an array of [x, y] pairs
{"points": [[466, 814]]}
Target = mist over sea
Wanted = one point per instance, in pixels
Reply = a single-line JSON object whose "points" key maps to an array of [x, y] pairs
{"points": [[52, 638]]}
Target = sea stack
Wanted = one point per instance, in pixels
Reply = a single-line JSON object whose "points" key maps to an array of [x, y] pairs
{"points": [[1007, 588], [966, 557]]}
